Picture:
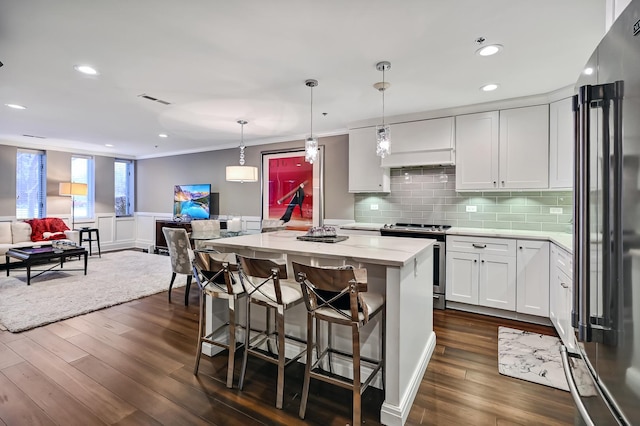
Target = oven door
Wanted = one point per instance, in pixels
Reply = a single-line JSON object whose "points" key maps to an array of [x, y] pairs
{"points": [[439, 278]]}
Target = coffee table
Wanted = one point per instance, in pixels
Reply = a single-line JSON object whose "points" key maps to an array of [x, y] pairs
{"points": [[30, 256]]}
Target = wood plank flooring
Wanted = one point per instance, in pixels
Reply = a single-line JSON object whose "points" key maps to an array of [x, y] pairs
{"points": [[132, 365]]}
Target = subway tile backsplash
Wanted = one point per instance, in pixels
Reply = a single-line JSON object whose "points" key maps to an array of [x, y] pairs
{"points": [[428, 195]]}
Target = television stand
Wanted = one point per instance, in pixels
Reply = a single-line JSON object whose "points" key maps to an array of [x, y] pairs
{"points": [[161, 242]]}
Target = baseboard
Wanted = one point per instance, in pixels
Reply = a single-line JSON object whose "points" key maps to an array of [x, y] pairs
{"points": [[500, 313], [393, 415]]}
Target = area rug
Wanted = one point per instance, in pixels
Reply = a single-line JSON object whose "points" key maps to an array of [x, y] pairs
{"points": [[114, 278], [536, 358]]}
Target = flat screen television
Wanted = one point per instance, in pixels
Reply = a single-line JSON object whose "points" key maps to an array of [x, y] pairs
{"points": [[191, 201]]}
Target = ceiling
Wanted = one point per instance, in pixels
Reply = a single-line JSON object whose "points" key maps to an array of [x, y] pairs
{"points": [[217, 62]]}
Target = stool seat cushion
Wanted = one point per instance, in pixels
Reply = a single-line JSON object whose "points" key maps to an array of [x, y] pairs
{"points": [[236, 286], [290, 290], [371, 300]]}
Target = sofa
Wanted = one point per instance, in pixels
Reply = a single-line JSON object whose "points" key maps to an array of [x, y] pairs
{"points": [[33, 232]]}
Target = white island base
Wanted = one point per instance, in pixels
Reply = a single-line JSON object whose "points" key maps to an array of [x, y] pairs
{"points": [[399, 268]]}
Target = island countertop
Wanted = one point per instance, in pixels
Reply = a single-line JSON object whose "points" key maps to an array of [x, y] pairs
{"points": [[401, 269], [388, 251]]}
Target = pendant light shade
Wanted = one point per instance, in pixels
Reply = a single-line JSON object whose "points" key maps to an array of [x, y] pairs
{"points": [[311, 144], [242, 173], [383, 131]]}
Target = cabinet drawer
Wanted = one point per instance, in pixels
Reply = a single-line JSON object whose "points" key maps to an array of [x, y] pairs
{"points": [[564, 262], [482, 245]]}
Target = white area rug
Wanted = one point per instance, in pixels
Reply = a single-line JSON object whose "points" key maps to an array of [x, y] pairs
{"points": [[536, 358], [115, 278]]}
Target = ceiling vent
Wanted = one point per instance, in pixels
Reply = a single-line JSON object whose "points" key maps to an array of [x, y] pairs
{"points": [[151, 98]]}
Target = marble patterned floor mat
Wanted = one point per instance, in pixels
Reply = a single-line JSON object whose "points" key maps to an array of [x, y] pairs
{"points": [[536, 358]]}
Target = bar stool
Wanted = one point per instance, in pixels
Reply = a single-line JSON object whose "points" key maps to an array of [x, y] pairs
{"points": [[90, 238], [266, 284], [216, 275], [338, 296]]}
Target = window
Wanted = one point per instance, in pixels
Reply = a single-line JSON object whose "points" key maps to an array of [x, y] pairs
{"points": [[123, 170], [82, 171], [31, 183]]}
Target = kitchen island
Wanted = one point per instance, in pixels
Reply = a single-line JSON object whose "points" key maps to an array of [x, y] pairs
{"points": [[399, 268]]}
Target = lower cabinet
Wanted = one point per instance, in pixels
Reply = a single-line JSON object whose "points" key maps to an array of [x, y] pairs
{"points": [[501, 273], [462, 277], [533, 278], [481, 271], [497, 285], [561, 295]]}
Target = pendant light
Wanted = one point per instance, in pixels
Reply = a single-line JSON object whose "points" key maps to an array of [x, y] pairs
{"points": [[383, 131], [242, 173], [311, 144]]}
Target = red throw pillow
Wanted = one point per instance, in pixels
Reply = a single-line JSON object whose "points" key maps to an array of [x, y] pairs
{"points": [[55, 224], [37, 228], [50, 224]]}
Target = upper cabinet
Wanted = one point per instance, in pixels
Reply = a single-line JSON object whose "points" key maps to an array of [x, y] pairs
{"points": [[420, 143], [561, 140], [365, 171], [503, 150], [477, 152]]}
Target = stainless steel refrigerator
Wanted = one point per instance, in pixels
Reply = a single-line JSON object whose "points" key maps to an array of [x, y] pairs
{"points": [[606, 292]]}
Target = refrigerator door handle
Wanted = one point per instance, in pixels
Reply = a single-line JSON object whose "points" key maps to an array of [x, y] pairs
{"points": [[573, 389], [580, 308], [598, 329]]}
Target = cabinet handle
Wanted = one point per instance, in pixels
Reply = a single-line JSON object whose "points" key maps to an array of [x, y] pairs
{"points": [[502, 183], [483, 261], [475, 260], [520, 247], [479, 245], [494, 183], [564, 285]]}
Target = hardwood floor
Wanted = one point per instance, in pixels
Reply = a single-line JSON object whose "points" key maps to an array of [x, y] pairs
{"points": [[132, 365]]}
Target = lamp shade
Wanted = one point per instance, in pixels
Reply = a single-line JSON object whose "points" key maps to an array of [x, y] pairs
{"points": [[242, 174], [72, 188]]}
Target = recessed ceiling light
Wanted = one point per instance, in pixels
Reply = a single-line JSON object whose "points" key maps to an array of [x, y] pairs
{"points": [[163, 135], [588, 71], [488, 50], [86, 69], [489, 87], [108, 145], [16, 106]]}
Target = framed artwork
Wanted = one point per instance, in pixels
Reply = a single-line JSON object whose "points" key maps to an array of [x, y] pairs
{"points": [[292, 188]]}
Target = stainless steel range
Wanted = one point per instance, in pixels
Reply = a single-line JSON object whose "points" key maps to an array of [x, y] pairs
{"points": [[435, 232]]}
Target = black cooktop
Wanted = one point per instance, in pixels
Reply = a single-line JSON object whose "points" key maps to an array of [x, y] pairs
{"points": [[414, 230]]}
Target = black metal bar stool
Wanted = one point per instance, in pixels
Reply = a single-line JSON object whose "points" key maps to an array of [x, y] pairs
{"points": [[90, 238]]}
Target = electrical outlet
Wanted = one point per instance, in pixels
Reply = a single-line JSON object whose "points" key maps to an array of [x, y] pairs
{"points": [[472, 209], [374, 207], [555, 210]]}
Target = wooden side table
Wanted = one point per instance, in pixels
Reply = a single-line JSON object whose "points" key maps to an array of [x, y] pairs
{"points": [[92, 234]]}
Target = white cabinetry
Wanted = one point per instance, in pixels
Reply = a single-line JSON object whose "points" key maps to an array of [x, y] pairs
{"points": [[503, 150], [561, 140], [423, 142], [561, 295], [365, 172], [481, 271], [477, 152], [524, 147], [533, 278]]}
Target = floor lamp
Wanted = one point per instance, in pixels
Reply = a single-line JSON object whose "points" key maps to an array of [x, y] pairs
{"points": [[72, 189]]}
